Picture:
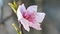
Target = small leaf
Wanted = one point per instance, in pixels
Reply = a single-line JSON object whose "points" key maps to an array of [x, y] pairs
{"points": [[12, 6], [16, 28], [15, 4]]}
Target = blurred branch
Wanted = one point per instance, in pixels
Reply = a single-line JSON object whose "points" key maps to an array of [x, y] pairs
{"points": [[22, 29], [3, 20]]}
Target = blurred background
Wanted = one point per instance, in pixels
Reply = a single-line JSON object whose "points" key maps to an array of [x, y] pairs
{"points": [[50, 25]]}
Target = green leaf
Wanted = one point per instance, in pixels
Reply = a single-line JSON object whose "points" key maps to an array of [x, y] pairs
{"points": [[12, 6], [16, 28], [15, 4]]}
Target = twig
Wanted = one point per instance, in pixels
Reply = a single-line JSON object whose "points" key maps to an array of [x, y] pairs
{"points": [[22, 29]]}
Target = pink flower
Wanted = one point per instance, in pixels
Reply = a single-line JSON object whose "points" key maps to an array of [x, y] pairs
{"points": [[30, 17]]}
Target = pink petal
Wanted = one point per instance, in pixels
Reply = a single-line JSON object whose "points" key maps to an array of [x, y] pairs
{"points": [[25, 24], [32, 9], [19, 14], [39, 17], [22, 8], [35, 26]]}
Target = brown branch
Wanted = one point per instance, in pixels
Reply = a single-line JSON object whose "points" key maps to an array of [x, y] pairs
{"points": [[22, 29]]}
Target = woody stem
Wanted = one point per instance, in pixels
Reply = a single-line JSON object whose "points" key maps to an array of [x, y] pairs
{"points": [[22, 29]]}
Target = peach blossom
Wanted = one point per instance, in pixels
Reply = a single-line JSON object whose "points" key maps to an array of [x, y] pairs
{"points": [[30, 17]]}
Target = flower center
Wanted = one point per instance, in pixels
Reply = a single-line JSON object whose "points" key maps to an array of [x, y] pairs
{"points": [[29, 17]]}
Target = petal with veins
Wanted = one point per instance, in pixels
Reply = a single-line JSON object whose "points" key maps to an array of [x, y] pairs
{"points": [[19, 14], [25, 24], [39, 17], [35, 26], [23, 8], [32, 9]]}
